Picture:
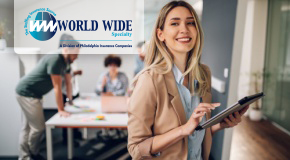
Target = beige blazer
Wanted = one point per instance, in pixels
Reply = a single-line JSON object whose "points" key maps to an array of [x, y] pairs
{"points": [[155, 108]]}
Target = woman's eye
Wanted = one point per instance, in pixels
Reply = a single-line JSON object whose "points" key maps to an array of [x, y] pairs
{"points": [[191, 23], [174, 24]]}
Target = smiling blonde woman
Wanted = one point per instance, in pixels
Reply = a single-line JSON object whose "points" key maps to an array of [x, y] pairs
{"points": [[172, 94]]}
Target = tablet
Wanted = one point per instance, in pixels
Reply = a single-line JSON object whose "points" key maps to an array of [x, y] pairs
{"points": [[230, 110]]}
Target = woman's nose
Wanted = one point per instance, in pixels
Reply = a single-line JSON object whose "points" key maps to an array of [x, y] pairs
{"points": [[184, 28]]}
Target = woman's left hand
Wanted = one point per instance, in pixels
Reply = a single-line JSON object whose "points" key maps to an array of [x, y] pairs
{"points": [[233, 119]]}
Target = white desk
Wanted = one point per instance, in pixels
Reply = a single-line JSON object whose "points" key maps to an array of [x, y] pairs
{"points": [[82, 120]]}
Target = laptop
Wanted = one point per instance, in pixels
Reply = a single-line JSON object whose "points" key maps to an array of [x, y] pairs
{"points": [[114, 104]]}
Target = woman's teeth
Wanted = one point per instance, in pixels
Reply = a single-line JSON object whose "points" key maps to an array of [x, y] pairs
{"points": [[183, 39]]}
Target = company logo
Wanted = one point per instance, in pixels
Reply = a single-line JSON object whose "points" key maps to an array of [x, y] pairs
{"points": [[41, 24]]}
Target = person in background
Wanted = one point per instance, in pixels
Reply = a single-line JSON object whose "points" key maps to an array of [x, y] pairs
{"points": [[140, 58], [75, 89], [112, 82], [74, 72], [46, 75]]}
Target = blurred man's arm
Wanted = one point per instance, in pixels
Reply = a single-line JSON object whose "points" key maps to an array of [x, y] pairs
{"points": [[77, 72], [56, 81], [68, 84]]}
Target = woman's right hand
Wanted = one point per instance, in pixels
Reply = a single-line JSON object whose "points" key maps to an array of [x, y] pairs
{"points": [[196, 117]]}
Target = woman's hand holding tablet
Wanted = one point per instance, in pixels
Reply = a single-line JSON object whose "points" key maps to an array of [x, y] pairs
{"points": [[196, 117], [233, 119]]}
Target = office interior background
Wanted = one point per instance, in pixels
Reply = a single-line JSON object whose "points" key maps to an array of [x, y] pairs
{"points": [[247, 47]]}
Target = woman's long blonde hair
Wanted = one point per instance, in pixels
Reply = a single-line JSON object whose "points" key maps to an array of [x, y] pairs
{"points": [[158, 58]]}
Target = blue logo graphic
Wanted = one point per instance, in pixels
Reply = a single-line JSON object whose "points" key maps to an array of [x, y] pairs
{"points": [[42, 26]]}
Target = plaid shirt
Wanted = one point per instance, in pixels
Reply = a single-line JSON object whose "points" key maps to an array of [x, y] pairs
{"points": [[118, 89]]}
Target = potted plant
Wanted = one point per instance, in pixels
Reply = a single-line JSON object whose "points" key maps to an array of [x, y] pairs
{"points": [[255, 113], [2, 40]]}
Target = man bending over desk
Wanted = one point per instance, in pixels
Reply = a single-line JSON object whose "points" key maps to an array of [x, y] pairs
{"points": [[45, 76]]}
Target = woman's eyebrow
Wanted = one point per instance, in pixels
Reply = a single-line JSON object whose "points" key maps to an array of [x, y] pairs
{"points": [[177, 18]]}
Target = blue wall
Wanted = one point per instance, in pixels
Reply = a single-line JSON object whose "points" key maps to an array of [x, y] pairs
{"points": [[218, 21]]}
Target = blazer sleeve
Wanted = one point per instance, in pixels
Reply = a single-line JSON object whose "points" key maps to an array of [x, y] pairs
{"points": [[141, 112]]}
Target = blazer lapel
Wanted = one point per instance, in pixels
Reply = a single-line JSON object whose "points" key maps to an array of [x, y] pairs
{"points": [[175, 99]]}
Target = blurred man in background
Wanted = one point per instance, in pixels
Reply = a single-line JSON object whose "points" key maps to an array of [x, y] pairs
{"points": [[140, 57], [75, 89], [32, 87]]}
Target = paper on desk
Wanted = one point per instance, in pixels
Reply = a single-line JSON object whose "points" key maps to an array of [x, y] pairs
{"points": [[90, 118], [78, 109]]}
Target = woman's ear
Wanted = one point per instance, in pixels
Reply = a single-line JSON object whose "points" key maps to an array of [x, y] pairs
{"points": [[160, 35]]}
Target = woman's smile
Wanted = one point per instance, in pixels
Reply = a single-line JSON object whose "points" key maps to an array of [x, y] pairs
{"points": [[184, 40]]}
